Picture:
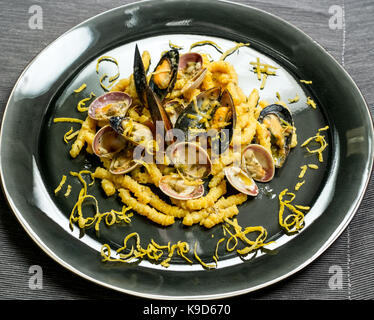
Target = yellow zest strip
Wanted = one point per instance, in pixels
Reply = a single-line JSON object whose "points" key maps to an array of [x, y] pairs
{"points": [[263, 82], [299, 184], [152, 252], [105, 75], [81, 88], [302, 207], [206, 42], [310, 102], [215, 257], [209, 266], [174, 46], [293, 222], [68, 137], [262, 68], [278, 95], [68, 190], [241, 234], [82, 103], [313, 166], [67, 134], [62, 182], [294, 100], [232, 50], [306, 81], [303, 171], [74, 120], [319, 139]]}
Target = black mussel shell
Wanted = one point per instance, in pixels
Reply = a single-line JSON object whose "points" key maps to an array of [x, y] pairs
{"points": [[172, 57]]}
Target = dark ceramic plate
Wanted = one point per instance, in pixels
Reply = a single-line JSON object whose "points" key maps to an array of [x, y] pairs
{"points": [[33, 155]]}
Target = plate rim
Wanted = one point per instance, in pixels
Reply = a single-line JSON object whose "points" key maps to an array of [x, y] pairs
{"points": [[337, 232]]}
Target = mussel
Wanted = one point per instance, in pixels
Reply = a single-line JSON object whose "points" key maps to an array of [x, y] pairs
{"points": [[241, 181], [258, 163], [135, 132], [165, 74], [178, 188], [140, 79], [160, 84], [191, 68], [212, 114], [110, 104], [279, 122], [191, 160]]}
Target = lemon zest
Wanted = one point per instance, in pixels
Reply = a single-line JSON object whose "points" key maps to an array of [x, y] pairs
{"points": [[66, 119], [62, 182], [81, 88], [82, 103]]}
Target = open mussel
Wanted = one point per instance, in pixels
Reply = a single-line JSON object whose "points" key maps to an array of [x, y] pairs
{"points": [[110, 104], [258, 163], [165, 74], [140, 79], [223, 122], [240, 180], [175, 186], [160, 84], [212, 114], [135, 132], [279, 122], [191, 68]]}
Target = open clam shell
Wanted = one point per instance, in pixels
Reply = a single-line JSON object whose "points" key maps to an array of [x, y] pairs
{"points": [[192, 161], [241, 181], [107, 142], [176, 187], [279, 122], [190, 62], [110, 104], [123, 162], [191, 67], [258, 163]]}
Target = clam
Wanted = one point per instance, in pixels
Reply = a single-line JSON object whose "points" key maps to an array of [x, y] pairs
{"points": [[165, 74], [191, 160], [107, 142], [258, 163], [110, 104], [241, 181], [191, 68], [123, 161], [176, 187], [135, 132], [279, 122]]}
